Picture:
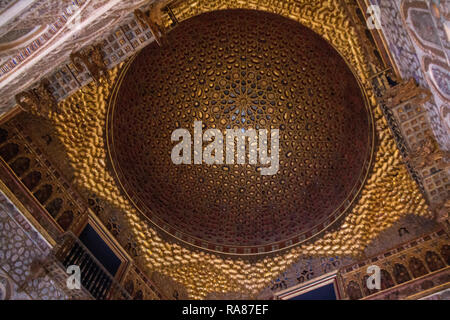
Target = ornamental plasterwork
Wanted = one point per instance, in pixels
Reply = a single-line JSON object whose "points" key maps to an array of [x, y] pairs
{"points": [[388, 195], [405, 24]]}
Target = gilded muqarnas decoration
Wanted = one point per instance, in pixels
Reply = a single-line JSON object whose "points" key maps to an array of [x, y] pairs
{"points": [[389, 193]]}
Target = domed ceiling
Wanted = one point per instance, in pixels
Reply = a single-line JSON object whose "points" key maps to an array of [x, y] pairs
{"points": [[241, 69]]}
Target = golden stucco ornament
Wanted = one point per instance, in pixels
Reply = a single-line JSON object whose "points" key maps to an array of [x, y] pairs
{"points": [[389, 192]]}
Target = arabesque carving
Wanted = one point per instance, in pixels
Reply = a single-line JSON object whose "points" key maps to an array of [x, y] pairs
{"points": [[39, 100]]}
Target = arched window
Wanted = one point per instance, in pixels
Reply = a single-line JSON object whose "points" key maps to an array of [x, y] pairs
{"points": [[445, 253], [401, 274], [32, 180], [66, 219], [417, 267], [354, 291], [44, 193], [54, 207], [3, 135], [9, 151], [367, 291], [433, 261], [386, 280], [138, 295]]}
